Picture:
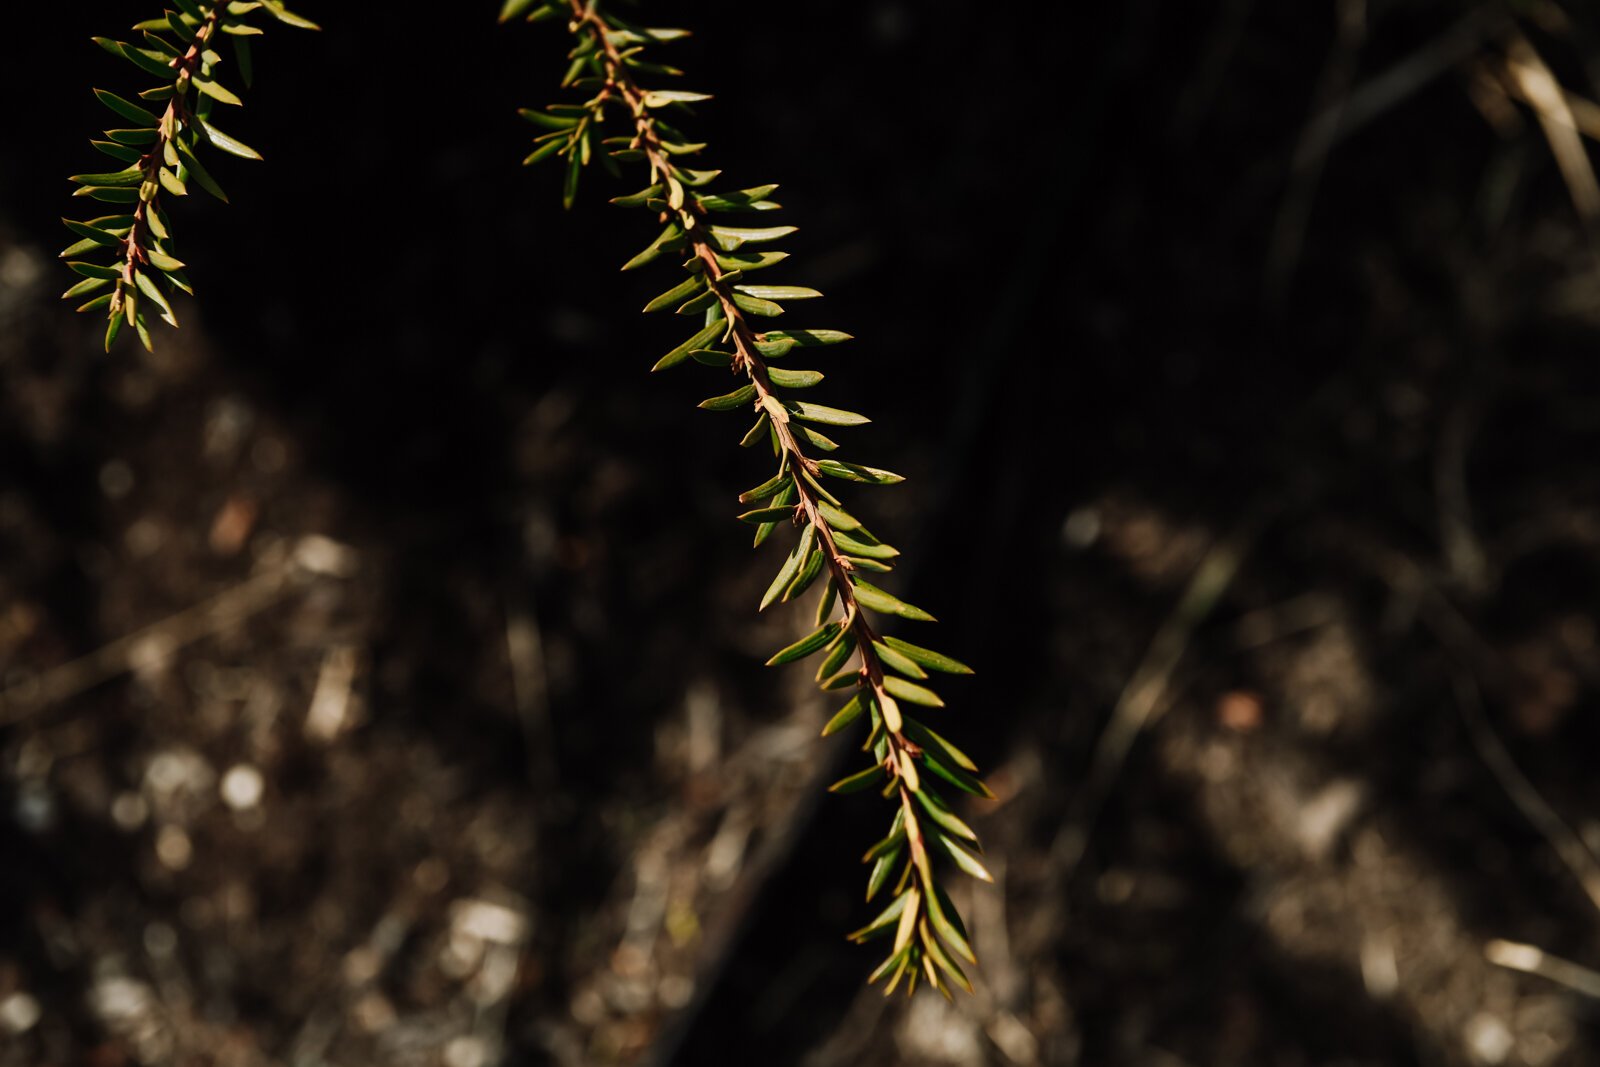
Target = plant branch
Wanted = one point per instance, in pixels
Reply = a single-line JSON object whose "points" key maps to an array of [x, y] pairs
{"points": [[748, 361], [832, 545]]}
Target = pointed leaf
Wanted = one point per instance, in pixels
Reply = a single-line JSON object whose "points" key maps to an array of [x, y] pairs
{"points": [[963, 859], [837, 517], [231, 145], [825, 415], [769, 514], [947, 819], [778, 292], [791, 566], [677, 294], [793, 379], [934, 661], [807, 645], [855, 472], [955, 775], [845, 716], [739, 398], [896, 661], [127, 108], [771, 487], [707, 336], [85, 287], [93, 233], [872, 597], [663, 97], [861, 780], [913, 692], [861, 547], [881, 870], [161, 261], [927, 739], [217, 91], [882, 923]]}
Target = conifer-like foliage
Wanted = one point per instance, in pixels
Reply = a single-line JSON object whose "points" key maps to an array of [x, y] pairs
{"points": [[131, 255], [618, 120], [126, 260]]}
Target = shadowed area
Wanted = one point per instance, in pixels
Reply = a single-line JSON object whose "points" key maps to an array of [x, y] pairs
{"points": [[380, 657]]}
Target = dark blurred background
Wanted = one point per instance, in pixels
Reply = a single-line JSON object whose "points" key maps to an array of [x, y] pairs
{"points": [[379, 657]]}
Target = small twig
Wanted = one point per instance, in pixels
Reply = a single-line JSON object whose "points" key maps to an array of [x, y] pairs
{"points": [[1316, 141], [1463, 550], [1538, 86], [1340, 114], [1406, 78], [1142, 700], [157, 642], [531, 694], [1530, 959], [1474, 657], [1562, 838]]}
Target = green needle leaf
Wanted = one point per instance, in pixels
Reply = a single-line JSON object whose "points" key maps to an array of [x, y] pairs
{"points": [[778, 292], [885, 921], [896, 661], [854, 472], [861, 780], [925, 737], [231, 145], [872, 597], [710, 335], [793, 379], [677, 294], [825, 415], [913, 692], [808, 644], [92, 233], [934, 661], [739, 398], [846, 715], [791, 566], [963, 859], [127, 108], [217, 91]]}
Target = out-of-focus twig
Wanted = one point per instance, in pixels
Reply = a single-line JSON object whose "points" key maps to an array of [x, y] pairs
{"points": [[1340, 112], [1529, 801], [1143, 698], [1530, 959], [155, 643], [1473, 656], [1535, 84], [1316, 140], [531, 694]]}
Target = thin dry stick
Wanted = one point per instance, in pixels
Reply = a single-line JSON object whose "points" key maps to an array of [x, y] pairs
{"points": [[1566, 842], [156, 642], [1473, 656], [531, 694], [1463, 550], [1406, 78], [1333, 94], [1530, 959], [1340, 114], [1538, 86], [1143, 698], [1584, 113]]}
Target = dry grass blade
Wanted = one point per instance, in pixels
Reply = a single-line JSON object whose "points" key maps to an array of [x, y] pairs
{"points": [[1535, 83]]}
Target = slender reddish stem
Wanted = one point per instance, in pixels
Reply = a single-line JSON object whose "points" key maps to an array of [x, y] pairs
{"points": [[176, 114], [620, 83]]}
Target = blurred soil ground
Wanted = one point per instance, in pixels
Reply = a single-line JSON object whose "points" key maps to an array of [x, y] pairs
{"points": [[422, 720]]}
